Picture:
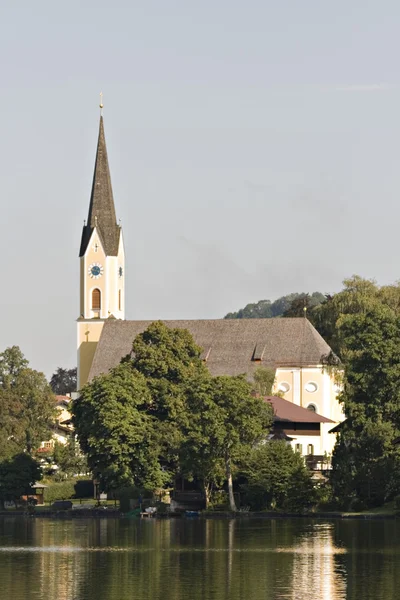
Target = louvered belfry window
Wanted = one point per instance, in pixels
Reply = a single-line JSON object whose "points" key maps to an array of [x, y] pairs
{"points": [[96, 299]]}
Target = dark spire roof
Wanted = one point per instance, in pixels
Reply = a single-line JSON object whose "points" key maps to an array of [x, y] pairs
{"points": [[101, 208]]}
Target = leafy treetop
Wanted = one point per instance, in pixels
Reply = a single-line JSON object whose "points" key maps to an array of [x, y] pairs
{"points": [[64, 381]]}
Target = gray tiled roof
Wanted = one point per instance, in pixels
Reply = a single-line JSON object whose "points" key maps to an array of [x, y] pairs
{"points": [[230, 346], [101, 208]]}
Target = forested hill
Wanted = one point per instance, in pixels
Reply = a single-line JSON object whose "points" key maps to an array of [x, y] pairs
{"points": [[291, 305]]}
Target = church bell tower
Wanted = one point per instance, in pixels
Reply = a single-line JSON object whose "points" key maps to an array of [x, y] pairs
{"points": [[102, 263]]}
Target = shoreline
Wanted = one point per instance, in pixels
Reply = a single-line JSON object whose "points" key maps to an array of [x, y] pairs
{"points": [[116, 514]]}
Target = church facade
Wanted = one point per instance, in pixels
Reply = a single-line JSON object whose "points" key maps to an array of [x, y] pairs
{"points": [[291, 346]]}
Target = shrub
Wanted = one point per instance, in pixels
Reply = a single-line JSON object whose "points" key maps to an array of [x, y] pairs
{"points": [[276, 479], [59, 491]]}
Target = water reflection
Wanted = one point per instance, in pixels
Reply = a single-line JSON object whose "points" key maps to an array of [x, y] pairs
{"points": [[111, 559], [316, 573]]}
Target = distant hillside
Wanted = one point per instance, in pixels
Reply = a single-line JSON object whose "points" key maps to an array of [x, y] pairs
{"points": [[291, 305]]}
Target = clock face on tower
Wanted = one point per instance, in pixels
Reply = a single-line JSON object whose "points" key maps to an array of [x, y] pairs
{"points": [[95, 270]]}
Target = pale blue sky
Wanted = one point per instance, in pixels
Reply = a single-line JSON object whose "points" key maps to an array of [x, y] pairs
{"points": [[254, 151]]}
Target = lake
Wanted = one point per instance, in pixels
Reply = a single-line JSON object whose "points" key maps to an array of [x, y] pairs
{"points": [[196, 559]]}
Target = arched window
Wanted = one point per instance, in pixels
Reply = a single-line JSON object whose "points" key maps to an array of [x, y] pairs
{"points": [[298, 448], [312, 408], [96, 299], [310, 449]]}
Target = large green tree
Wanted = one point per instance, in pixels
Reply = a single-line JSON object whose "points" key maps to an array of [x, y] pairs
{"points": [[169, 360], [358, 296], [129, 422], [202, 428], [365, 460], [27, 405], [226, 421], [117, 431]]}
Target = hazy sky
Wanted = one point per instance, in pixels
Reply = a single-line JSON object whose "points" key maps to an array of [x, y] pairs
{"points": [[254, 151]]}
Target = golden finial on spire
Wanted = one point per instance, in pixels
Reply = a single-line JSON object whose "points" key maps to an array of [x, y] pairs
{"points": [[101, 103]]}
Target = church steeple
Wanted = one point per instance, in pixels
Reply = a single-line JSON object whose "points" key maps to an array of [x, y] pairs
{"points": [[102, 263], [101, 208]]}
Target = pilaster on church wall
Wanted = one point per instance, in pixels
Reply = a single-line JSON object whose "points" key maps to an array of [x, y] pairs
{"points": [[121, 280], [112, 286]]}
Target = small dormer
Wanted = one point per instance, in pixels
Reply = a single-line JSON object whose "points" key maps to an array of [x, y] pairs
{"points": [[258, 352]]}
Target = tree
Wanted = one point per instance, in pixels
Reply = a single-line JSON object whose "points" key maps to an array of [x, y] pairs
{"points": [[226, 421], [201, 451], [169, 360], [365, 460], [37, 408], [357, 297], [12, 362], [276, 478], [303, 303], [27, 408], [64, 381], [117, 432], [17, 474], [265, 309], [69, 458], [264, 379], [247, 421], [127, 420]]}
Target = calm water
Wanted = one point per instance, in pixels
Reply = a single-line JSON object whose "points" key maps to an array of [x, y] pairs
{"points": [[111, 559]]}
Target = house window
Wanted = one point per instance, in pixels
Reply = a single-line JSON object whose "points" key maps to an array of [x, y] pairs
{"points": [[312, 408], [96, 299], [310, 449], [298, 448]]}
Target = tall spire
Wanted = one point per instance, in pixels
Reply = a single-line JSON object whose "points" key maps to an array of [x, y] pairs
{"points": [[101, 208]]}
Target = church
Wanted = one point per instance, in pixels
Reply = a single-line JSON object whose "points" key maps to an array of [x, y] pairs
{"points": [[291, 346]]}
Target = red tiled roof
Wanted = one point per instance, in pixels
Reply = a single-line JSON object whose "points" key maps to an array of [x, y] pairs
{"points": [[287, 411]]}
